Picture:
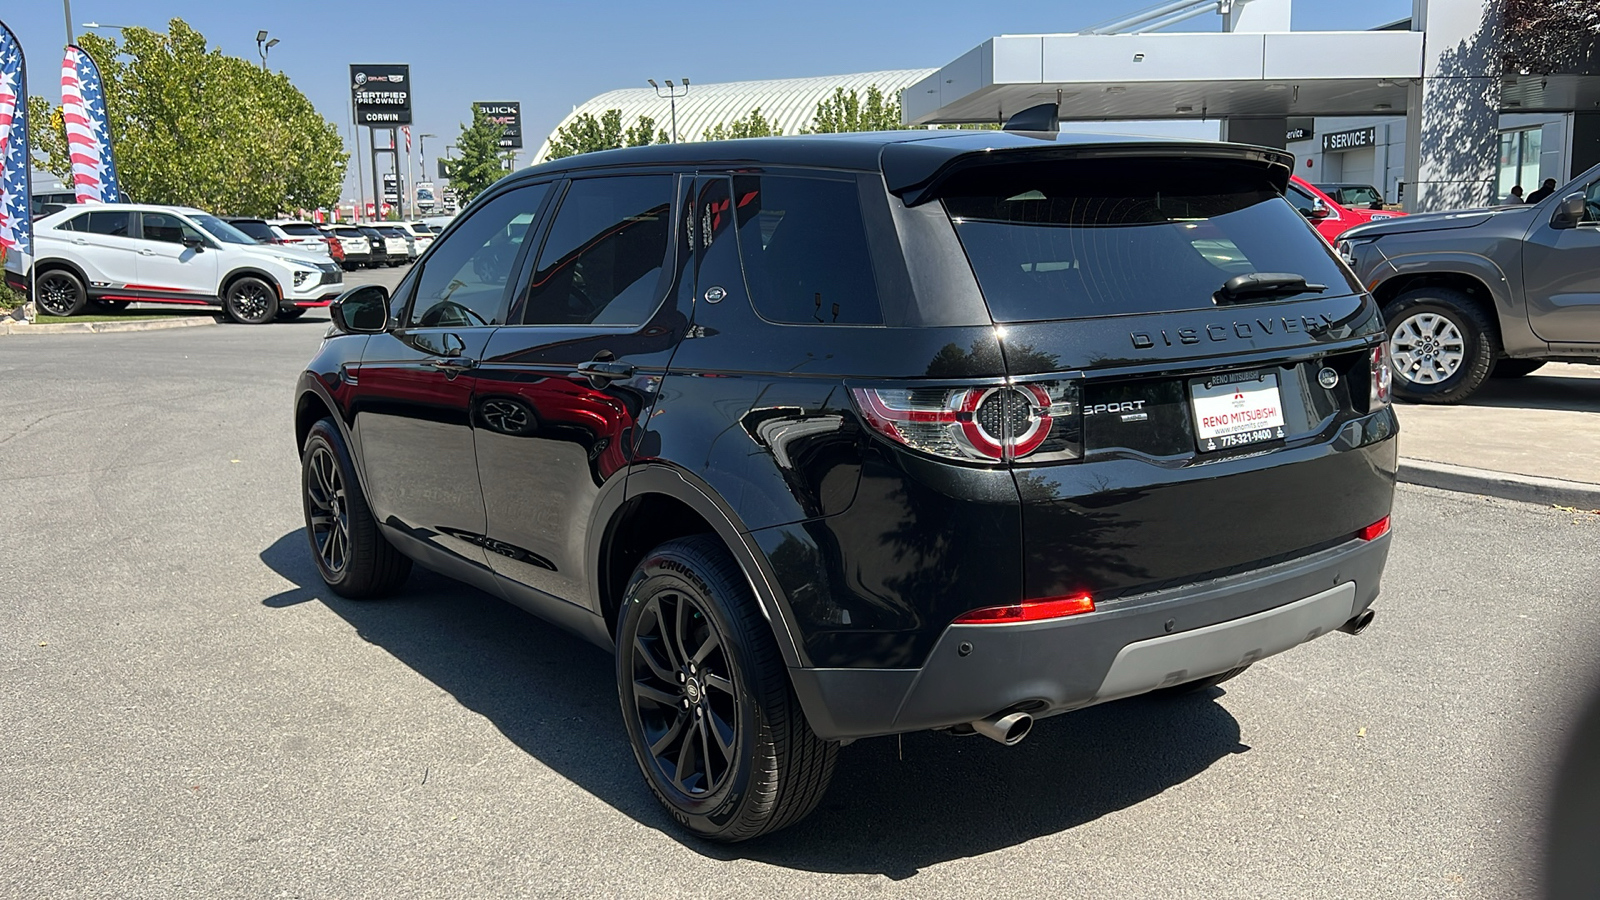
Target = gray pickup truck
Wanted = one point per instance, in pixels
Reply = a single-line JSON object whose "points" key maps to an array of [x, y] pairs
{"points": [[1482, 293]]}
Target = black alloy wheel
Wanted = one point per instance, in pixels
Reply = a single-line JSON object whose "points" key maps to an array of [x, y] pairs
{"points": [[251, 301], [58, 292], [714, 723], [351, 554]]}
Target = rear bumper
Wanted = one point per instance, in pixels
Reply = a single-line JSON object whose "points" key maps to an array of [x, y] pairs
{"points": [[1125, 647]]}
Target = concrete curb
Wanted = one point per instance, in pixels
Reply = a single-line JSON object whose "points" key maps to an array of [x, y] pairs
{"points": [[16, 327], [1505, 485]]}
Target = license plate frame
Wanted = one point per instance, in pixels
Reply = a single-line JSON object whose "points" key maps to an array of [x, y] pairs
{"points": [[1231, 410]]}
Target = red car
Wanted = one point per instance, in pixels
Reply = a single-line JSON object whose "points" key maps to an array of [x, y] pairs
{"points": [[1329, 217]]}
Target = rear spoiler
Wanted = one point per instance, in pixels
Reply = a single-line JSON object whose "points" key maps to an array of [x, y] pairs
{"points": [[913, 170]]}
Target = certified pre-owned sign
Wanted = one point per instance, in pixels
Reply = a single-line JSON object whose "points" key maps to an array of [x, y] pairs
{"points": [[508, 115], [1350, 140], [381, 94]]}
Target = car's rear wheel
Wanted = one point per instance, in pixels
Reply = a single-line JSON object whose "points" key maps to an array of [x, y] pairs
{"points": [[251, 301], [351, 554], [59, 292], [1516, 368], [1442, 346], [714, 723]]}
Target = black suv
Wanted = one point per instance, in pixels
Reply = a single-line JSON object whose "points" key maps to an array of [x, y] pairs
{"points": [[837, 437]]}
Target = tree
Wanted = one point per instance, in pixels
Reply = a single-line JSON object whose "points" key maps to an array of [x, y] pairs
{"points": [[480, 162], [1546, 36], [586, 134], [198, 128], [845, 112], [752, 125]]}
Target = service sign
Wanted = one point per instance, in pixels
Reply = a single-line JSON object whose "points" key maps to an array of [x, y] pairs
{"points": [[1350, 140], [508, 115], [381, 94]]}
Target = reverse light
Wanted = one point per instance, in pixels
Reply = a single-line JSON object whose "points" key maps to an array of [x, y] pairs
{"points": [[992, 423], [1382, 377], [1374, 531], [1030, 611]]}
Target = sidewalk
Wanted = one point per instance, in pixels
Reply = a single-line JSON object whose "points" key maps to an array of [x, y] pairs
{"points": [[1535, 438]]}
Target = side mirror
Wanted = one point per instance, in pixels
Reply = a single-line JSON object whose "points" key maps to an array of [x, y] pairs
{"points": [[362, 310], [198, 245], [1319, 211], [1569, 212]]}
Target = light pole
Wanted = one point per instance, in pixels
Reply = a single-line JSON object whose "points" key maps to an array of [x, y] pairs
{"points": [[103, 25], [264, 46], [672, 94]]}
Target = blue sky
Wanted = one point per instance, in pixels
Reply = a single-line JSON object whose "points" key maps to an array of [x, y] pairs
{"points": [[552, 56]]}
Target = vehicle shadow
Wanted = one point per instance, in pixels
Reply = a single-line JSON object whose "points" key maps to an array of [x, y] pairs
{"points": [[897, 805], [1552, 392]]}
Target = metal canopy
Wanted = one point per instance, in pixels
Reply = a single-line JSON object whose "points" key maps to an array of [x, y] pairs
{"points": [[1173, 76]]}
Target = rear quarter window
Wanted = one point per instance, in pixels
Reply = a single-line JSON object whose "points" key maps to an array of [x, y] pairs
{"points": [[804, 247], [1086, 238]]}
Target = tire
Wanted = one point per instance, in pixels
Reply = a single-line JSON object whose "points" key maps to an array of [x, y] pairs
{"points": [[1516, 368], [351, 554], [1199, 684], [773, 769], [59, 292], [1441, 345], [285, 315], [250, 301]]}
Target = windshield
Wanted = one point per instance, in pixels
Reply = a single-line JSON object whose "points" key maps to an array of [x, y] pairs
{"points": [[300, 229], [1083, 238], [222, 231], [1360, 195]]}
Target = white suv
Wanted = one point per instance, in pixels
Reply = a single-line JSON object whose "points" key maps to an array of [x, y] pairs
{"points": [[114, 254], [421, 234]]}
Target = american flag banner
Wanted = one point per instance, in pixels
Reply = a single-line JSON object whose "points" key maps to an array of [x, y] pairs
{"points": [[83, 107], [16, 218], [407, 130]]}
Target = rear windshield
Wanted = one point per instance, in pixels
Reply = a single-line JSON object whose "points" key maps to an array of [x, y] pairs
{"points": [[1085, 238], [300, 229], [261, 231]]}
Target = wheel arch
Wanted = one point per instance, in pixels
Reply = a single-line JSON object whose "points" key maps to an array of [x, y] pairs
{"points": [[244, 272], [660, 503], [56, 262], [313, 403], [1469, 285], [1477, 276]]}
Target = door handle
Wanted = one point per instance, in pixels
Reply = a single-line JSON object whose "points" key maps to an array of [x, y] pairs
{"points": [[147, 253], [454, 365], [601, 373], [80, 242]]}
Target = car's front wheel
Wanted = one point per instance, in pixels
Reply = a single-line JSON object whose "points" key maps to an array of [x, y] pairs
{"points": [[58, 292], [251, 301], [351, 554], [1441, 344], [714, 723]]}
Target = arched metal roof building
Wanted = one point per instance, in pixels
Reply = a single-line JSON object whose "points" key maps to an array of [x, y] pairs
{"points": [[787, 102]]}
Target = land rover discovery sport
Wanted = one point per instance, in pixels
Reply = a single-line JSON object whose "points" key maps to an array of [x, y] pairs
{"points": [[829, 438]]}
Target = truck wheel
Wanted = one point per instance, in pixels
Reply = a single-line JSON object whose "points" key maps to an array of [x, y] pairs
{"points": [[714, 723], [1516, 368], [1442, 346]]}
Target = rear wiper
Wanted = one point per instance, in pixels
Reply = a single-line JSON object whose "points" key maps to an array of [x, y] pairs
{"points": [[1262, 285]]}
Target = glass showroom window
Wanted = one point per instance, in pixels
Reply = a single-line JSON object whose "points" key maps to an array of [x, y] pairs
{"points": [[1519, 160]]}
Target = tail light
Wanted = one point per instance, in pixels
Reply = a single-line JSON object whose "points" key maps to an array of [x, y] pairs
{"points": [[1374, 531], [1033, 421], [1029, 611], [1382, 376]]}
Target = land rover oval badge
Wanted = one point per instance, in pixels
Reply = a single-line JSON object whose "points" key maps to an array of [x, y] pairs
{"points": [[715, 294], [1328, 378]]}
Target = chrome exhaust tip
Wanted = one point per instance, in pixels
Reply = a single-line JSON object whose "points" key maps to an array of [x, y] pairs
{"points": [[1007, 728], [1359, 623]]}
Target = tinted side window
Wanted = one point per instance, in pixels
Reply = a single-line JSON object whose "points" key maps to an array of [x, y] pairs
{"points": [[1591, 202], [106, 222], [1300, 199], [602, 262], [79, 222], [163, 227], [465, 278], [805, 250], [261, 231]]}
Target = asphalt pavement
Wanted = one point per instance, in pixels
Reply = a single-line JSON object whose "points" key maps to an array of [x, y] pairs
{"points": [[186, 711]]}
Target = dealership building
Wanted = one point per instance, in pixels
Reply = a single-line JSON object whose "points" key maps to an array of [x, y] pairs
{"points": [[1422, 108]]}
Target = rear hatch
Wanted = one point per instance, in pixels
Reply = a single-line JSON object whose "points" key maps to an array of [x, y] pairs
{"points": [[1167, 428]]}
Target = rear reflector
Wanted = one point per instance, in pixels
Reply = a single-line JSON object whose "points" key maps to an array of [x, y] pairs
{"points": [[1031, 611], [1374, 531]]}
